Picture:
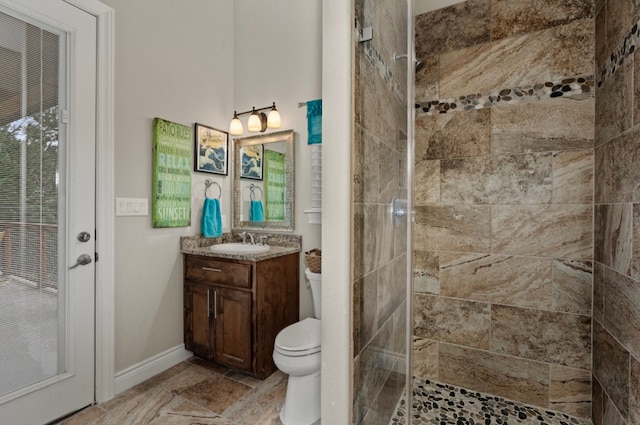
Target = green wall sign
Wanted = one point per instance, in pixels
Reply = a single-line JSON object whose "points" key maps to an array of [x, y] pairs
{"points": [[274, 178], [171, 198]]}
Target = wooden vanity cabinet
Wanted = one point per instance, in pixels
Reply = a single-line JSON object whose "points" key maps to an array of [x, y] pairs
{"points": [[233, 309]]}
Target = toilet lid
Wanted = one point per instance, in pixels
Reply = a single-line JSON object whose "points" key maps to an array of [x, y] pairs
{"points": [[303, 335]]}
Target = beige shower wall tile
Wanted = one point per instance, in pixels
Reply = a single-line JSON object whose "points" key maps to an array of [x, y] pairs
{"points": [[622, 310], [613, 237], [600, 182], [598, 291], [517, 379], [452, 228], [425, 358], [557, 124], [634, 392], [558, 338], [573, 177], [570, 391], [375, 95], [560, 231], [596, 402], [356, 306], [620, 18], [366, 163], [493, 66], [426, 182], [572, 286], [389, 172], [508, 179], [614, 104], [635, 262], [368, 309], [610, 414], [427, 79], [391, 288], [573, 48], [520, 281], [451, 320], [600, 36], [454, 27], [518, 17], [426, 272], [453, 135], [390, 16], [611, 367], [636, 88], [622, 157]]}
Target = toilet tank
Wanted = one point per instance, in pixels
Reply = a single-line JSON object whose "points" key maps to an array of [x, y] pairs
{"points": [[315, 281]]}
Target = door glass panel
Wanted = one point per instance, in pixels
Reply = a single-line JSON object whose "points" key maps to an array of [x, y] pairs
{"points": [[31, 293]]}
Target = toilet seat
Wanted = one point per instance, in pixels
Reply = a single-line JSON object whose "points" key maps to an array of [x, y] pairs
{"points": [[300, 339]]}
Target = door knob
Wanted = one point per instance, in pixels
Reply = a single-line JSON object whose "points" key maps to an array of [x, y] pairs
{"points": [[83, 260], [84, 236]]}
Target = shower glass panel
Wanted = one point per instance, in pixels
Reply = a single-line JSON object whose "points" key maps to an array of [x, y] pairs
{"points": [[382, 145]]}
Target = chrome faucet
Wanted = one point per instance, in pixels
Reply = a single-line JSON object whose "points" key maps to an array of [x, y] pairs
{"points": [[243, 235], [262, 239], [253, 241]]}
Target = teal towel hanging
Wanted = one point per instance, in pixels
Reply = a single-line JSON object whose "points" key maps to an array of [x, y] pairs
{"points": [[256, 213], [211, 218], [314, 121]]}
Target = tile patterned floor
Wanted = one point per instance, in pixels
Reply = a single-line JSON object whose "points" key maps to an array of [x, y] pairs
{"points": [[194, 392], [440, 404]]}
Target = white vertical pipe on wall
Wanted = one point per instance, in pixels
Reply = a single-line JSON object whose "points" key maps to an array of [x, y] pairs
{"points": [[337, 347]]}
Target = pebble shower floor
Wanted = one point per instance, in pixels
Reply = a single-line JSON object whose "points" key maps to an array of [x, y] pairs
{"points": [[441, 404]]}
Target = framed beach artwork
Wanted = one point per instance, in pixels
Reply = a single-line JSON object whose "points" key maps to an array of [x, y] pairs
{"points": [[251, 161], [212, 150]]}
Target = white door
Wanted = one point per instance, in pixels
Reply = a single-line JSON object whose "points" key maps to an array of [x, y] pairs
{"points": [[47, 210]]}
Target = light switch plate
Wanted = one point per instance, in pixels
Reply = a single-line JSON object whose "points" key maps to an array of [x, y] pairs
{"points": [[132, 206]]}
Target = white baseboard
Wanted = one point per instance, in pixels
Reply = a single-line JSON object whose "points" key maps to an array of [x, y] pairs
{"points": [[150, 367]]}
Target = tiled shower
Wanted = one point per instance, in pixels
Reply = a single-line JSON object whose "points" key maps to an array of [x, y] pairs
{"points": [[503, 243], [526, 239]]}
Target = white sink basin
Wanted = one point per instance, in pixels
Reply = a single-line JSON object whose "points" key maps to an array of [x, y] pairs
{"points": [[239, 248]]}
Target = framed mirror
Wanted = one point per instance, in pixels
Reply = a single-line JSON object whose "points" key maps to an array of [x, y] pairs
{"points": [[263, 176]]}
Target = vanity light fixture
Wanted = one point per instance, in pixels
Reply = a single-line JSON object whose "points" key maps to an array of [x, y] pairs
{"points": [[258, 121]]}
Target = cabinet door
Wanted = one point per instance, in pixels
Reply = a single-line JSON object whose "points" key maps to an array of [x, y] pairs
{"points": [[233, 328], [198, 320]]}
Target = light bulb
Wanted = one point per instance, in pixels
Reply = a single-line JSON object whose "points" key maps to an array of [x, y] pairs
{"points": [[273, 121], [235, 127], [254, 123]]}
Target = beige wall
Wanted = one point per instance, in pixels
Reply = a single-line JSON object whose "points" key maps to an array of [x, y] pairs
{"points": [[616, 304], [167, 65], [503, 194], [179, 62], [278, 57]]}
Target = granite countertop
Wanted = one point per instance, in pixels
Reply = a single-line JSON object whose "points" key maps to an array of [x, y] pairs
{"points": [[278, 245]]}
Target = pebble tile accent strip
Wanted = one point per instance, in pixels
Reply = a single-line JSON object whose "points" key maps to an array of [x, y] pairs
{"points": [[582, 85], [622, 52], [441, 404]]}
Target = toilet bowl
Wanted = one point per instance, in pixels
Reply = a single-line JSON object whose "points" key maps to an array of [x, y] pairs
{"points": [[297, 352]]}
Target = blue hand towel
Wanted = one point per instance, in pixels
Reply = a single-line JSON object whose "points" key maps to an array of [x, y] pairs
{"points": [[211, 218], [314, 121], [257, 211]]}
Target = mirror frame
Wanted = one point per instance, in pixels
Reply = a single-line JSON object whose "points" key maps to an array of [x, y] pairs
{"points": [[287, 225]]}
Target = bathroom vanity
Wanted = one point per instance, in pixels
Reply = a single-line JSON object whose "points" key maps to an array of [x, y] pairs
{"points": [[235, 305]]}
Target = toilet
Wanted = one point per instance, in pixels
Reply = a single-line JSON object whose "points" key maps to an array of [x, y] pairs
{"points": [[296, 352]]}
